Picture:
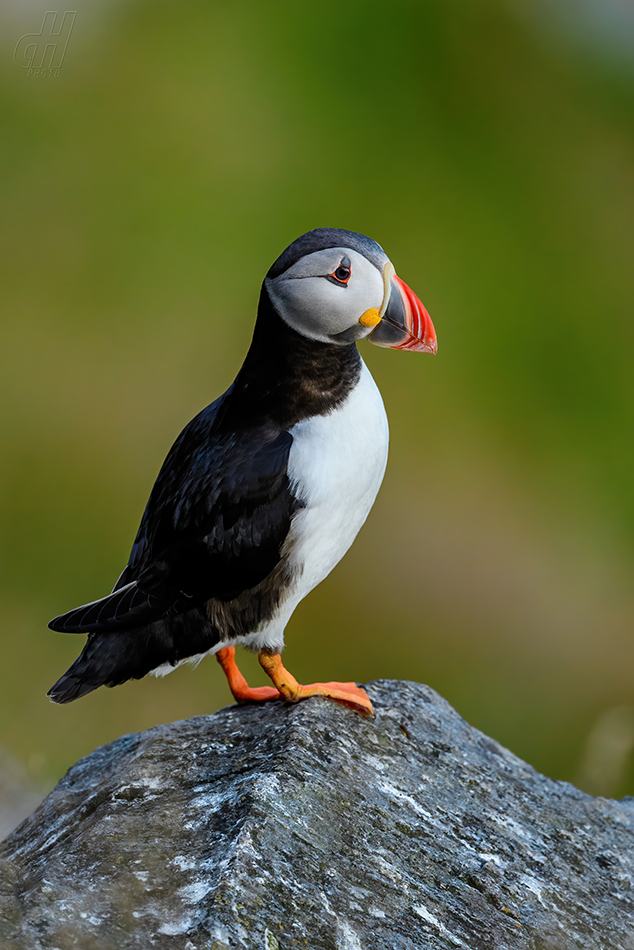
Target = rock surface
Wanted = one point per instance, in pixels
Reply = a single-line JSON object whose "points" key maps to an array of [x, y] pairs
{"points": [[310, 826]]}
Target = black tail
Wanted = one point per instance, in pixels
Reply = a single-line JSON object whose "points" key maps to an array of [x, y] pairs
{"points": [[109, 659]]}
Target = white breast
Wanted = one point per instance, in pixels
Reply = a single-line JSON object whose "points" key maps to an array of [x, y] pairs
{"points": [[336, 466]]}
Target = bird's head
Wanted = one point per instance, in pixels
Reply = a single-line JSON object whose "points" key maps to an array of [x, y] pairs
{"points": [[337, 286]]}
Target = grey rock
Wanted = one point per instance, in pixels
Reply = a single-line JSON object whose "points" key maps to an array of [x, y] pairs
{"points": [[309, 826]]}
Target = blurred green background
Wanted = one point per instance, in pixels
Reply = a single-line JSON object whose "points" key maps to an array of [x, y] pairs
{"points": [[489, 147]]}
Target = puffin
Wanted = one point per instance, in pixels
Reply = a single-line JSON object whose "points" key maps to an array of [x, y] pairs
{"points": [[265, 490]]}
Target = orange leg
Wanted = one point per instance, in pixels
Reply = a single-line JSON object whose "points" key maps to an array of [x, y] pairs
{"points": [[348, 693], [242, 692]]}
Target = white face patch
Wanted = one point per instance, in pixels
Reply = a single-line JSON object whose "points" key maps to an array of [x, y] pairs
{"points": [[320, 308]]}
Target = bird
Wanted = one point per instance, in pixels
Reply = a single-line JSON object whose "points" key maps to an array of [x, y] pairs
{"points": [[264, 491]]}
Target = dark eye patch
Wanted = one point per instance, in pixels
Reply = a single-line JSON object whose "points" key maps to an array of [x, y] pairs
{"points": [[341, 274]]}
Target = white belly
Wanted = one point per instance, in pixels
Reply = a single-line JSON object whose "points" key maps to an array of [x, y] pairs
{"points": [[336, 466]]}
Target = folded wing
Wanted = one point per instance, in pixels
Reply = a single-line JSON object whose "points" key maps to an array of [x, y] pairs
{"points": [[214, 526]]}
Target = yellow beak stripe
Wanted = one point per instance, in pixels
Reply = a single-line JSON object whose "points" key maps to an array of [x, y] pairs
{"points": [[370, 318]]}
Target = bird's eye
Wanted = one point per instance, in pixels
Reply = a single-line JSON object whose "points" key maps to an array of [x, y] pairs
{"points": [[342, 274]]}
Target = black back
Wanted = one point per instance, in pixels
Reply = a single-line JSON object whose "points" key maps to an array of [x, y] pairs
{"points": [[221, 507]]}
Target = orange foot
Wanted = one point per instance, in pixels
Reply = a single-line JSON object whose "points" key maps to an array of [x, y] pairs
{"points": [[286, 685], [347, 693], [242, 692]]}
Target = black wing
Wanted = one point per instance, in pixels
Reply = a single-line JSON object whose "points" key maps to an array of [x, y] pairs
{"points": [[214, 525]]}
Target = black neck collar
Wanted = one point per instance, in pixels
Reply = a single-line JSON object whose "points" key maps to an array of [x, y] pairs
{"points": [[287, 377]]}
